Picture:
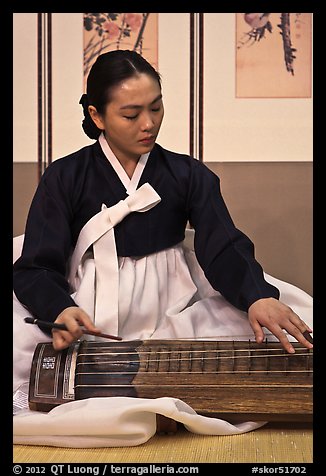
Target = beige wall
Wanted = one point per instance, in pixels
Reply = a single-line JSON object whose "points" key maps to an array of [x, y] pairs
{"points": [[270, 202], [25, 179], [260, 130]]}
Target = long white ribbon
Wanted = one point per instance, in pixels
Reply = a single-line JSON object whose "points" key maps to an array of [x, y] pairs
{"points": [[99, 232]]}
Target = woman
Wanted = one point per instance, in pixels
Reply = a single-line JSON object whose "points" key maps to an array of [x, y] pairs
{"points": [[158, 287]]}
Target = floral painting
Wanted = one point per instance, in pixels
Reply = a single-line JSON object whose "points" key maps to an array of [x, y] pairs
{"points": [[273, 55], [125, 31]]}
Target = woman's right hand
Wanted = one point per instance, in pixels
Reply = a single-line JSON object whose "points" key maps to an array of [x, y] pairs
{"points": [[73, 317]]}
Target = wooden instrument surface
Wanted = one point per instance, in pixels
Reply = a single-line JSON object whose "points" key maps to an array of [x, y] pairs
{"points": [[234, 380]]}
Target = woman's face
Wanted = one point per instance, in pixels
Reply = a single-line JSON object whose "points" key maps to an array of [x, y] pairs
{"points": [[133, 117]]}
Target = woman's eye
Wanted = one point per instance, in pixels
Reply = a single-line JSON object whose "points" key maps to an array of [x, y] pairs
{"points": [[130, 117]]}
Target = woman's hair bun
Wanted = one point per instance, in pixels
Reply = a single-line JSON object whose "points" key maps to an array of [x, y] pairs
{"points": [[88, 125]]}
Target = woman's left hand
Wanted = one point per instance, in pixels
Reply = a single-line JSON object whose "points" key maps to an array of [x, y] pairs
{"points": [[277, 317]]}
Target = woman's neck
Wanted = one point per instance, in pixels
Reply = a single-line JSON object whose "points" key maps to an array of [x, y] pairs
{"points": [[129, 163]]}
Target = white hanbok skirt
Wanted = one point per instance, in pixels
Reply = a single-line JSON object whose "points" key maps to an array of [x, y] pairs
{"points": [[161, 296]]}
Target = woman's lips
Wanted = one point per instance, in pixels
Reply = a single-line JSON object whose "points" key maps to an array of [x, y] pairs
{"points": [[147, 140]]}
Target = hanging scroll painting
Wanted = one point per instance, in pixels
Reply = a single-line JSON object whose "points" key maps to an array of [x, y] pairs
{"points": [[273, 55], [105, 32]]}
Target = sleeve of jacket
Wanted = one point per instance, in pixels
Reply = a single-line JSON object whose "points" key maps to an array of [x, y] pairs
{"points": [[39, 276], [225, 253]]}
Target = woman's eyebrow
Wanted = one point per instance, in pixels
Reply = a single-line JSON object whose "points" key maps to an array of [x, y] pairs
{"points": [[136, 106]]}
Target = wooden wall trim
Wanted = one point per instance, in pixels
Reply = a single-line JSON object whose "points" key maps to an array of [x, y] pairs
{"points": [[44, 91]]}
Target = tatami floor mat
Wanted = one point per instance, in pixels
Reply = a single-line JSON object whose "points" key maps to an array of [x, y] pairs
{"points": [[273, 443]]}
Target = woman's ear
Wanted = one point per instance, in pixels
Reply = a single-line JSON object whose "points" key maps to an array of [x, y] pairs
{"points": [[96, 117]]}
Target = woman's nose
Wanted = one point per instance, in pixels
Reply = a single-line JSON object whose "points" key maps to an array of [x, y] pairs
{"points": [[147, 122]]}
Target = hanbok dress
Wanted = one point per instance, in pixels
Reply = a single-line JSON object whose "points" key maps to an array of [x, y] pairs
{"points": [[153, 256]]}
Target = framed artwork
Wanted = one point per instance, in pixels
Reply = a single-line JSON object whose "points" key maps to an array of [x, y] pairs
{"points": [[273, 55], [104, 32]]}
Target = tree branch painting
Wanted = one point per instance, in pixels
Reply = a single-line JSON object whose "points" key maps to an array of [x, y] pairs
{"points": [[126, 31], [273, 54]]}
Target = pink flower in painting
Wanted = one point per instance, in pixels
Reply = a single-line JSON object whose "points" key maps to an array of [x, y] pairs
{"points": [[111, 29], [134, 20]]}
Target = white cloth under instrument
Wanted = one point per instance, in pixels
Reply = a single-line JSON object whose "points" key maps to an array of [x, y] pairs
{"points": [[178, 303]]}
